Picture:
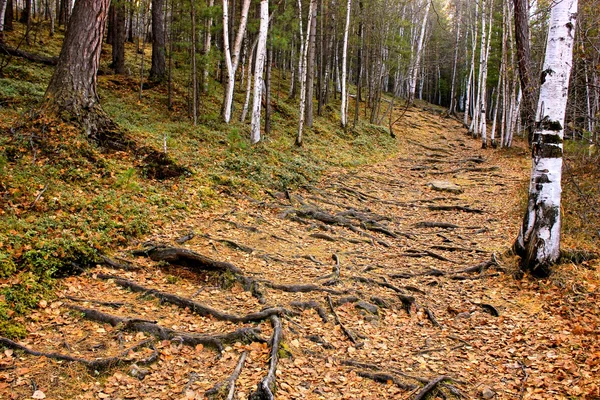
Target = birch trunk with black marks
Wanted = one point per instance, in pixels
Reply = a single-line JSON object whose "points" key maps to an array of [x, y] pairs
{"points": [[344, 115], [304, 58], [261, 53], [232, 59], [538, 243], [416, 66]]}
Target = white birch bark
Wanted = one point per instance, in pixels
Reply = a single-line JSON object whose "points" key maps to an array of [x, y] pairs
{"points": [[344, 109], [419, 51], [538, 243], [261, 52], [304, 57], [232, 59], [207, 46], [452, 108], [486, 44], [2, 12], [470, 82], [248, 83]]}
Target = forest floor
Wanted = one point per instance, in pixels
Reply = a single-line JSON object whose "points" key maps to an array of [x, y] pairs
{"points": [[370, 283]]}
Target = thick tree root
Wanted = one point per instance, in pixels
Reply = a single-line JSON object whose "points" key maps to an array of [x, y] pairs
{"points": [[407, 301], [109, 262], [226, 390], [99, 364], [434, 224], [384, 377], [454, 208], [266, 387], [195, 307], [190, 339], [426, 253], [305, 305], [114, 304]]}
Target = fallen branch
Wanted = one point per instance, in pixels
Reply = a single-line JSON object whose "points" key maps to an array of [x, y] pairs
{"points": [[228, 387], [99, 364], [266, 387], [383, 377], [38, 58], [117, 265], [190, 339]]}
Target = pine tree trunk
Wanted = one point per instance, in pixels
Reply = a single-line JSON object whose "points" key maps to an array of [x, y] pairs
{"points": [[538, 243], [194, 66], [158, 70], [118, 45], [71, 92], [261, 49], [521, 11], [9, 16]]}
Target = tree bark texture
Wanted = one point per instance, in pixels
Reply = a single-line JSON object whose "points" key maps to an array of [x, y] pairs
{"points": [[538, 243], [72, 88], [521, 11], [118, 45], [158, 70], [261, 51]]}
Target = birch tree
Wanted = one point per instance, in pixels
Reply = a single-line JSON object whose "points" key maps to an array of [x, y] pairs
{"points": [[232, 59], [344, 67], [261, 52], [304, 58], [418, 54], [538, 242]]}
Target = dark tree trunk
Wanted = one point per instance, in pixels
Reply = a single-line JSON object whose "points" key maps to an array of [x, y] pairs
{"points": [[130, 25], [26, 13], [110, 29], [310, 72], [118, 45], [524, 61], [158, 71], [72, 92], [359, 66], [9, 16]]}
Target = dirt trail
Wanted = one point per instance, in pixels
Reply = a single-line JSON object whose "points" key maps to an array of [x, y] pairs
{"points": [[392, 256]]}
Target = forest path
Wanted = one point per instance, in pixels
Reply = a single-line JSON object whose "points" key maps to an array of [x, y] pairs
{"points": [[377, 244]]}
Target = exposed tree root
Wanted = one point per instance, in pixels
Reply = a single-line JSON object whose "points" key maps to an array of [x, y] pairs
{"points": [[305, 305], [348, 334], [109, 262], [194, 306], [99, 364], [407, 301], [226, 390], [457, 248], [454, 208], [230, 243], [431, 317], [302, 288], [113, 304], [426, 253], [430, 386], [383, 377], [191, 339], [434, 224], [266, 387]]}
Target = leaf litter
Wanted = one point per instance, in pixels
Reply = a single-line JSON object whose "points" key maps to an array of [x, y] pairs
{"points": [[383, 257]]}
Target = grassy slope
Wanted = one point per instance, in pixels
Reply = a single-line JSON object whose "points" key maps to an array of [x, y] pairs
{"points": [[62, 202]]}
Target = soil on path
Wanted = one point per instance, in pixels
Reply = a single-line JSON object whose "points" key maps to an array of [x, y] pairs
{"points": [[371, 271]]}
